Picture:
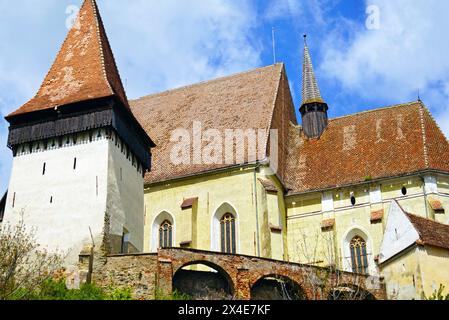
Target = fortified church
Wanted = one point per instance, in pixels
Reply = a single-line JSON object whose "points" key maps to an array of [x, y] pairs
{"points": [[366, 193]]}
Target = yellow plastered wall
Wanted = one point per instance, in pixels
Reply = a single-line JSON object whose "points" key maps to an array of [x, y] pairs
{"points": [[434, 265], [305, 217], [416, 273], [233, 189], [402, 276]]}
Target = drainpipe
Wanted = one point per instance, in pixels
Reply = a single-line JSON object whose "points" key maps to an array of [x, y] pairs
{"points": [[256, 169]]}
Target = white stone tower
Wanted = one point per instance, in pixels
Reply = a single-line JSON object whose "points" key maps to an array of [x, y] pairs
{"points": [[79, 153]]}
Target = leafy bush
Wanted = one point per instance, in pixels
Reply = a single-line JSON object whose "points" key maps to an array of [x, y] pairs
{"points": [[57, 290], [176, 295], [24, 264], [438, 294]]}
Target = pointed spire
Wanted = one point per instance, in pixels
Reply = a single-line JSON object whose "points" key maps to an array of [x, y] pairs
{"points": [[310, 91], [84, 68], [313, 108]]}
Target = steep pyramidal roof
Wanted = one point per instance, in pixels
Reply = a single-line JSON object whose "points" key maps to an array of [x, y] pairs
{"points": [[84, 68], [381, 143], [310, 91]]}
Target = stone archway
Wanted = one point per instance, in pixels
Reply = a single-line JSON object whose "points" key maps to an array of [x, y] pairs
{"points": [[200, 280], [277, 287]]}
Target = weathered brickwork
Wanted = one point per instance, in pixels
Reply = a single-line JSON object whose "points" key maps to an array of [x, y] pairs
{"points": [[151, 275]]}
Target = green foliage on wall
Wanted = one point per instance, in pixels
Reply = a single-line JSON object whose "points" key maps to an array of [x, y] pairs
{"points": [[57, 290]]}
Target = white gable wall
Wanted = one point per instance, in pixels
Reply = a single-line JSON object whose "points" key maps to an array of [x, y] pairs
{"points": [[399, 233]]}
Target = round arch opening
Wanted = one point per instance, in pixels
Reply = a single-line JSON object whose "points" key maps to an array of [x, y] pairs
{"points": [[276, 287], [203, 281]]}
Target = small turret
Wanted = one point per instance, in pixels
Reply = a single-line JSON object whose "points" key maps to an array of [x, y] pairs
{"points": [[313, 108]]}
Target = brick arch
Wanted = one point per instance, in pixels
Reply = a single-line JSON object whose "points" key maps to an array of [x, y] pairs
{"points": [[296, 281], [211, 265]]}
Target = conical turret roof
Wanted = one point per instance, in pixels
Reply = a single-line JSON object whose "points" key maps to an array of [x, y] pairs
{"points": [[310, 91], [84, 68]]}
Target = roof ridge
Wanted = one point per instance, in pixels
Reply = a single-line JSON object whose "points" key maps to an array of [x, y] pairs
{"points": [[399, 105], [208, 81], [273, 107], [433, 119], [425, 218], [103, 65], [55, 60], [424, 135], [101, 30]]}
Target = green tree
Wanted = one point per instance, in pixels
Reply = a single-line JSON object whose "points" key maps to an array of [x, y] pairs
{"points": [[24, 265]]}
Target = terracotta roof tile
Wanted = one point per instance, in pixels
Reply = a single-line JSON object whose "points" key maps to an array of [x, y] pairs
{"points": [[377, 215], [188, 203], [436, 205], [329, 223], [431, 232], [381, 143], [242, 101], [84, 68]]}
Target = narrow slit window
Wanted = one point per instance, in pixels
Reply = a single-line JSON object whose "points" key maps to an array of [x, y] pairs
{"points": [[74, 164], [14, 200], [44, 167]]}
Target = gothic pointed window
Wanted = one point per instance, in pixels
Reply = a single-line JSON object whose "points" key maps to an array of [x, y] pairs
{"points": [[228, 237], [359, 258], [166, 235]]}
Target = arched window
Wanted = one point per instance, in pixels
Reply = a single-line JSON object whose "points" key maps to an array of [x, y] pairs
{"points": [[359, 257], [166, 235], [227, 227]]}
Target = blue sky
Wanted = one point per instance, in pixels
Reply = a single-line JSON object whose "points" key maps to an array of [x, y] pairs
{"points": [[363, 58]]}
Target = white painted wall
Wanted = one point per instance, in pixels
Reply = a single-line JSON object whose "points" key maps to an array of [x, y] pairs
{"points": [[125, 202], [399, 233], [81, 196], [327, 200]]}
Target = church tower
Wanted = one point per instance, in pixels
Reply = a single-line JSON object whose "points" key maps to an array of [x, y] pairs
{"points": [[79, 153], [313, 108]]}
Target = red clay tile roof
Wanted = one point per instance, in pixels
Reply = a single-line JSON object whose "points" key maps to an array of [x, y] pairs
{"points": [[377, 215], [430, 232], [242, 101], [436, 205], [329, 223], [84, 68], [381, 143], [188, 203]]}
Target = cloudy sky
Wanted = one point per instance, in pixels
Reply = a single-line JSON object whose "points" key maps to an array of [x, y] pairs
{"points": [[367, 54]]}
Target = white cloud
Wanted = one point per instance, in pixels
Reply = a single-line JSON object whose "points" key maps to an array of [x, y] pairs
{"points": [[165, 44], [157, 44], [408, 53]]}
